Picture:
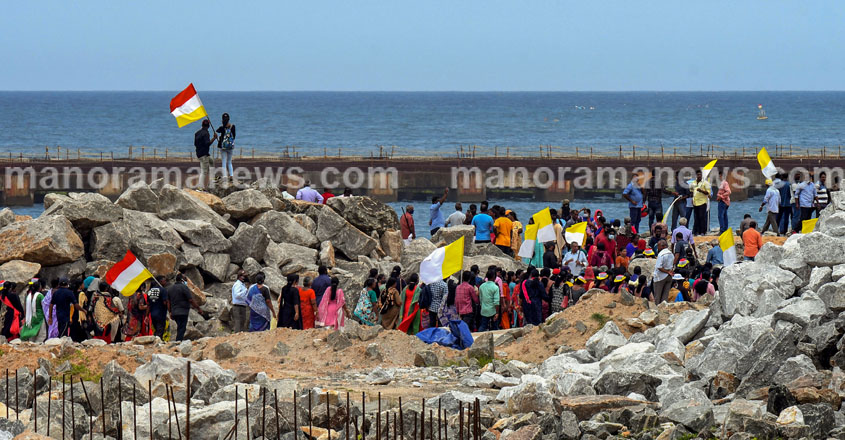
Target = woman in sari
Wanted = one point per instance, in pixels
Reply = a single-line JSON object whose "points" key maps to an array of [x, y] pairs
{"points": [[331, 311], [391, 304], [34, 329], [260, 306], [411, 307], [367, 305], [516, 234], [139, 322], [106, 311], [47, 305], [307, 305], [289, 306]]}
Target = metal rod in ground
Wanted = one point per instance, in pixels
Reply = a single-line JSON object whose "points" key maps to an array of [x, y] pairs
{"points": [[49, 402], [310, 432], [134, 411], [477, 419], [430, 425], [401, 420], [295, 428], [90, 419], [236, 412], [246, 406], [276, 405], [150, 391], [120, 408], [346, 428], [17, 407], [328, 415], [35, 403], [188, 404], [103, 407], [439, 421], [263, 413], [63, 407], [422, 420], [395, 437], [386, 426], [72, 411], [357, 434], [461, 420], [170, 415], [7, 393], [175, 413], [378, 418]]}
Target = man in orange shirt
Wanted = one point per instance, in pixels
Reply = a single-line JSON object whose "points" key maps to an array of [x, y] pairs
{"points": [[752, 240], [503, 226]]}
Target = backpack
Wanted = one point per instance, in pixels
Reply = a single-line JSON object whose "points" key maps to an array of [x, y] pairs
{"points": [[228, 142], [425, 297]]}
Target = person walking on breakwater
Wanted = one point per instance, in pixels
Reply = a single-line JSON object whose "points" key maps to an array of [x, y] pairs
{"points": [[308, 194], [159, 306], [406, 225], [307, 305], [700, 196], [226, 144], [483, 223], [662, 276], [436, 222], [772, 203], [503, 228], [290, 306], [239, 302], [181, 302], [634, 195], [806, 199], [202, 142], [723, 196], [260, 305], [787, 198], [63, 299], [752, 241], [34, 329], [321, 283]]}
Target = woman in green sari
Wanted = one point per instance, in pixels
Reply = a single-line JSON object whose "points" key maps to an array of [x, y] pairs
{"points": [[411, 306], [34, 329]]}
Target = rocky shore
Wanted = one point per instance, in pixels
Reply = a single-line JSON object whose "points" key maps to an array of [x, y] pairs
{"points": [[760, 360]]}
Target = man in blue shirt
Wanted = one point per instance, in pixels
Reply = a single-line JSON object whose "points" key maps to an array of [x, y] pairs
{"points": [[436, 220], [785, 208], [772, 202], [63, 298], [308, 194], [715, 255], [321, 283], [634, 195], [483, 223], [806, 195]]}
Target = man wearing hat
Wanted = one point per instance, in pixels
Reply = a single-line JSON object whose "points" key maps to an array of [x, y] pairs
{"points": [[772, 203]]}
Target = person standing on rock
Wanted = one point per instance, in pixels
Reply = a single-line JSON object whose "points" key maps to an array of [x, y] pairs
{"points": [[239, 303], [634, 195], [406, 225], [466, 297], [752, 241], [321, 283], [772, 203], [439, 289], [805, 196], [261, 306], [470, 214], [202, 143], [483, 224], [290, 307], [49, 307], [34, 329], [490, 297], [723, 196], [700, 196], [663, 273], [307, 305], [456, 218], [435, 221], [390, 304], [159, 306], [226, 144], [181, 302], [63, 299]]}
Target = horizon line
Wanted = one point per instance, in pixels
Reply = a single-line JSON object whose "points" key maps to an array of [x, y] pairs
{"points": [[428, 91]]}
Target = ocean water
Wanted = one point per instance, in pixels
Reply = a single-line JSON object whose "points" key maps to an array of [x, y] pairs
{"points": [[425, 123]]}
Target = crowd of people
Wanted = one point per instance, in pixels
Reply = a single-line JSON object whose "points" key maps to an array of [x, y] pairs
{"points": [[90, 309]]}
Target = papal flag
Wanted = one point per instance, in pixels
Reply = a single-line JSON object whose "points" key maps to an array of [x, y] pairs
{"points": [[808, 226], [707, 168], [127, 275], [766, 164], [576, 233], [668, 213], [526, 249], [726, 243], [443, 262], [187, 107], [545, 228]]}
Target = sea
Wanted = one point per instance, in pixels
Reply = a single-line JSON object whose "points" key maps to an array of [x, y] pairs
{"points": [[430, 123]]}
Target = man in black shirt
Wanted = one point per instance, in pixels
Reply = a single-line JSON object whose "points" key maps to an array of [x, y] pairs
{"points": [[63, 298], [159, 305], [202, 141], [181, 301]]}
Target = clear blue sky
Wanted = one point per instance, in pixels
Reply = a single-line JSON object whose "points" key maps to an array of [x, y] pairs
{"points": [[423, 45]]}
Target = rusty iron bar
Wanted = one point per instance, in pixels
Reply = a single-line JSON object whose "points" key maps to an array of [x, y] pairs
{"points": [[246, 408], [49, 402], [263, 413], [430, 425], [102, 406], [64, 412], [134, 410], [378, 418], [90, 419], [422, 420], [439, 421], [294, 415], [395, 426], [310, 429], [357, 433], [477, 419], [35, 402], [346, 429], [401, 420], [72, 411], [363, 411], [17, 407], [175, 412], [119, 408], [461, 420], [187, 403], [236, 411], [150, 391], [7, 393], [170, 415], [387, 425], [328, 415], [276, 405]]}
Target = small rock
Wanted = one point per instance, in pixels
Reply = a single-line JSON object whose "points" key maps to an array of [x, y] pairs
{"points": [[338, 341], [610, 305], [580, 327], [373, 352], [425, 358], [379, 376], [146, 340], [185, 348], [281, 349], [225, 351]]}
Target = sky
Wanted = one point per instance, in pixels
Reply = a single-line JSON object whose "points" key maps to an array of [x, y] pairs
{"points": [[424, 45]]}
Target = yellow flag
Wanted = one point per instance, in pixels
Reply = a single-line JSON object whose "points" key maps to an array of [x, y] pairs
{"points": [[526, 249], [545, 229], [808, 226], [766, 164], [576, 233], [443, 262], [726, 243], [707, 168]]}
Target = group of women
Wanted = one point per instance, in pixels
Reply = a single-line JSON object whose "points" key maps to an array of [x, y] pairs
{"points": [[298, 308]]}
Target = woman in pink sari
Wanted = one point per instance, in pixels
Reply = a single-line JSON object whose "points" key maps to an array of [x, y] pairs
{"points": [[331, 311]]}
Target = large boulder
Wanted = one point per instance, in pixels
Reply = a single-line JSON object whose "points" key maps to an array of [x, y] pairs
{"points": [[414, 252], [724, 351], [139, 197], [819, 249], [344, 236], [248, 241], [119, 384], [246, 204], [833, 295], [215, 265], [485, 261], [765, 358], [19, 271], [284, 229], [84, 210], [802, 311], [297, 259], [177, 204], [164, 369], [201, 234], [645, 264], [606, 340], [47, 240], [686, 324], [213, 201], [7, 217], [391, 244], [365, 213], [445, 236], [688, 406], [747, 287]]}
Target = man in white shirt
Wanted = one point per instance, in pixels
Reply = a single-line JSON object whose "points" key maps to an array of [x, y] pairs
{"points": [[663, 273], [457, 217], [240, 307], [575, 259]]}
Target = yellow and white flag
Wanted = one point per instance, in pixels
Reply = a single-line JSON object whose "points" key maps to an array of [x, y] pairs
{"points": [[576, 233], [187, 107], [127, 275], [766, 164], [545, 228], [808, 226], [443, 262], [526, 249], [707, 168], [726, 243]]}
